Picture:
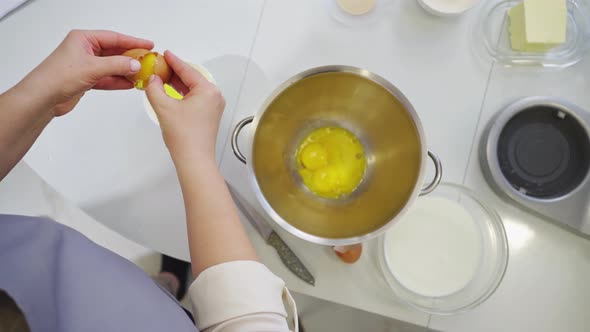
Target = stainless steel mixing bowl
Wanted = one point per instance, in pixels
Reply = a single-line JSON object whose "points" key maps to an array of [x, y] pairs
{"points": [[371, 108]]}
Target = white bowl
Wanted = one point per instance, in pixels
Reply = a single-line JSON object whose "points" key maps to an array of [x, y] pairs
{"points": [[447, 8], [425, 269], [381, 9], [150, 110], [356, 7]]}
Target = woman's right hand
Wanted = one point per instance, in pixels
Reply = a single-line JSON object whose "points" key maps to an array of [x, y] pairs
{"points": [[190, 125]]}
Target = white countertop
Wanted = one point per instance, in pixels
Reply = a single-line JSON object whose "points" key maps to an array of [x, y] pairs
{"points": [[121, 172], [546, 287], [121, 175]]}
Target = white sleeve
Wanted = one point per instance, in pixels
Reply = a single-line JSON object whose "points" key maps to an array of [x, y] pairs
{"points": [[240, 296]]}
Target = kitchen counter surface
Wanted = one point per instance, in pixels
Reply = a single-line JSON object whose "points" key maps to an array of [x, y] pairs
{"points": [[108, 158]]}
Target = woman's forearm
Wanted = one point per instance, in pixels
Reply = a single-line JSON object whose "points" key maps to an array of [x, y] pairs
{"points": [[23, 116], [215, 232], [190, 127]]}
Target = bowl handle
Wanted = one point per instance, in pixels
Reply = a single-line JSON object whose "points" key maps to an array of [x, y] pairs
{"points": [[234, 138], [437, 174]]}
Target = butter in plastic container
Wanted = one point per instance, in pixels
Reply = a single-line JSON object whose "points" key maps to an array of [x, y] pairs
{"points": [[538, 25], [492, 39]]}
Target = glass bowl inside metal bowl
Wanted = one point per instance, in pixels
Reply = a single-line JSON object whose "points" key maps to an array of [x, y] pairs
{"points": [[426, 254]]}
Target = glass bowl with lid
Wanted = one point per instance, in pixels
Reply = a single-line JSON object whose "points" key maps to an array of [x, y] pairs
{"points": [[448, 254]]}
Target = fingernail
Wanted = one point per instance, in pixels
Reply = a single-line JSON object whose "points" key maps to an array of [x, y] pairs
{"points": [[153, 77], [135, 65]]}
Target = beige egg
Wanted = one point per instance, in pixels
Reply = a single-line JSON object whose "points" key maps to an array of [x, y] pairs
{"points": [[151, 63]]}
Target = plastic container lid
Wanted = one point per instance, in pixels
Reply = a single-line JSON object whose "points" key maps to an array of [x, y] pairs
{"points": [[492, 38], [448, 254]]}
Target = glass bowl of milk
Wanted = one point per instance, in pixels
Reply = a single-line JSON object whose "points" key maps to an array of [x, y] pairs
{"points": [[448, 254]]}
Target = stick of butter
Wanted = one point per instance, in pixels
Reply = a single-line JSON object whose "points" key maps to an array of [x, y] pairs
{"points": [[538, 25]]}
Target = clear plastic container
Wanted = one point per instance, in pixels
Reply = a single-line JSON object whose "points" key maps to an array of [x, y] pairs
{"points": [[492, 38], [488, 270]]}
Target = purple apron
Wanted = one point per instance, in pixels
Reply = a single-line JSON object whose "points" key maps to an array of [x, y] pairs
{"points": [[65, 282]]}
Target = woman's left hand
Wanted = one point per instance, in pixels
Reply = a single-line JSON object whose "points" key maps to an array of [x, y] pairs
{"points": [[84, 60]]}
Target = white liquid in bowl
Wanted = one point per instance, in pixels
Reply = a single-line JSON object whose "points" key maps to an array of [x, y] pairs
{"points": [[435, 250], [449, 6]]}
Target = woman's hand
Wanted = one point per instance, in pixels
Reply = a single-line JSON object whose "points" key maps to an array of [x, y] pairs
{"points": [[84, 60], [190, 125]]}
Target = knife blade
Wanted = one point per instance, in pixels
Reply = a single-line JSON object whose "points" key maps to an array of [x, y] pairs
{"points": [[288, 257]]}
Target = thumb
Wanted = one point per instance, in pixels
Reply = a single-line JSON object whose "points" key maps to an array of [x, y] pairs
{"points": [[116, 65], [156, 94]]}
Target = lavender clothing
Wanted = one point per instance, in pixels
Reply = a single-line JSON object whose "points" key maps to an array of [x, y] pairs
{"points": [[64, 282]]}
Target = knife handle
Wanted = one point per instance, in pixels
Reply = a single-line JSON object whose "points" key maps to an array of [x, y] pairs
{"points": [[289, 258]]}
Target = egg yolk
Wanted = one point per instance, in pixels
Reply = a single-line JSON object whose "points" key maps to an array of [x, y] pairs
{"points": [[171, 92], [314, 156], [148, 64], [331, 162]]}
